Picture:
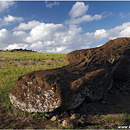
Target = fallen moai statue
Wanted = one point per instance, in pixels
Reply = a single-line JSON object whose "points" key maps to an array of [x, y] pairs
{"points": [[88, 75]]}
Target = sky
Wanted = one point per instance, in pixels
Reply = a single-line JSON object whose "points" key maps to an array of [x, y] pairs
{"points": [[62, 26]]}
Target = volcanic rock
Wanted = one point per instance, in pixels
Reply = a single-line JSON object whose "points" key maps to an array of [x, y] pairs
{"points": [[89, 76]]}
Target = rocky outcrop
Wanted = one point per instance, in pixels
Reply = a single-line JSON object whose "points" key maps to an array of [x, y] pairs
{"points": [[89, 76]]}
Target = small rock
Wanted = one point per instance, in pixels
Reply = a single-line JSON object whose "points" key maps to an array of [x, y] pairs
{"points": [[44, 118], [54, 118], [81, 122], [47, 115], [60, 121], [68, 124], [75, 116]]}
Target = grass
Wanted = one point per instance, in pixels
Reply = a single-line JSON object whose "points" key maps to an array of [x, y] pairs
{"points": [[15, 64]]}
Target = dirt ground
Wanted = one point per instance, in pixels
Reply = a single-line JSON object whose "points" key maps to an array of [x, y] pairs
{"points": [[110, 112]]}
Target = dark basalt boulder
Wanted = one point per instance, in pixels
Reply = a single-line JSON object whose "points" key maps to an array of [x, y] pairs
{"points": [[89, 76]]}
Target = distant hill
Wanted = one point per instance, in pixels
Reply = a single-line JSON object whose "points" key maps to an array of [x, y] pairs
{"points": [[19, 50]]}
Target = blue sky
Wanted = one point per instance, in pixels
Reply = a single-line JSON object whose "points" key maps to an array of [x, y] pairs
{"points": [[62, 26]]}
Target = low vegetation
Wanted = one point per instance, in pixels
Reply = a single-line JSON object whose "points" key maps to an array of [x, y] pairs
{"points": [[14, 64], [97, 115]]}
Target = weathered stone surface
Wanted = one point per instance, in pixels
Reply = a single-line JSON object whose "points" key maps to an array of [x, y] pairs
{"points": [[89, 75], [115, 55]]}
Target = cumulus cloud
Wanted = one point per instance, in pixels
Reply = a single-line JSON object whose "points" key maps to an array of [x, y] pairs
{"points": [[95, 37], [120, 31], [78, 9], [58, 38], [57, 50], [4, 5], [43, 32], [9, 19], [102, 34], [18, 36], [19, 33], [2, 23], [64, 38], [17, 45], [78, 14], [51, 4], [38, 45], [125, 32], [85, 18], [3, 35], [27, 26], [52, 36], [7, 38]]}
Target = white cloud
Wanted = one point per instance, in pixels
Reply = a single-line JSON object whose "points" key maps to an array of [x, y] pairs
{"points": [[102, 34], [18, 33], [124, 15], [59, 38], [7, 38], [119, 31], [106, 14], [61, 49], [18, 36], [10, 18], [51, 4], [78, 9], [99, 32], [85, 18], [43, 32], [37, 46], [17, 46], [54, 37], [3, 34], [2, 22], [4, 5], [27, 26], [125, 32], [78, 14]]}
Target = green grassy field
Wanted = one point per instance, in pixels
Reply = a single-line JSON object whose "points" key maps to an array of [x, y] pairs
{"points": [[15, 64]]}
